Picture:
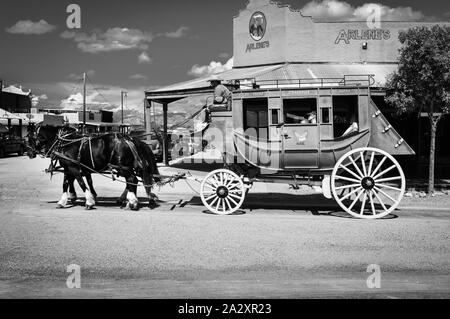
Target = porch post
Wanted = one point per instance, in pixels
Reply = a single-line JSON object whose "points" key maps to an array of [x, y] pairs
{"points": [[148, 120], [165, 135]]}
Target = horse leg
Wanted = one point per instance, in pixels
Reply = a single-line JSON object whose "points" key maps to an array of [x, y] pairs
{"points": [[64, 197], [91, 185], [133, 202], [90, 201], [148, 182], [72, 193], [122, 199]]}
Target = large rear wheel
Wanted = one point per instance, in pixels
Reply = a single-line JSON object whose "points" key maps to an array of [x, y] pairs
{"points": [[368, 183]]}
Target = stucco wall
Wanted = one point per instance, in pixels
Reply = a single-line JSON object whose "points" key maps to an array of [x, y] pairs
{"points": [[292, 37]]}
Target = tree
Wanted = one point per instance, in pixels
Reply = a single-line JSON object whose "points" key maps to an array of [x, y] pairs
{"points": [[421, 82]]}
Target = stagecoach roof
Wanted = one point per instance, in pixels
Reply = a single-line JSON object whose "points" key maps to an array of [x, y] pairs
{"points": [[281, 72]]}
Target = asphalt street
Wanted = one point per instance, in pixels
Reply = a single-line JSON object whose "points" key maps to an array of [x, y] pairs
{"points": [[281, 245]]}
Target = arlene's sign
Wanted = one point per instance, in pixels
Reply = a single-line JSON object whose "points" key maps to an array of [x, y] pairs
{"points": [[369, 34], [257, 29]]}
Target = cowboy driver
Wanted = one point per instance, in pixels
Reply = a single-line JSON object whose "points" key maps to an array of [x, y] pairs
{"points": [[221, 93]]}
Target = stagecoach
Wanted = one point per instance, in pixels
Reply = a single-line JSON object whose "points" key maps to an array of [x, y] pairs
{"points": [[326, 132]]}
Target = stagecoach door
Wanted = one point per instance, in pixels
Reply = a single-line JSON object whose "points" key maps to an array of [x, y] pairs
{"points": [[300, 133]]}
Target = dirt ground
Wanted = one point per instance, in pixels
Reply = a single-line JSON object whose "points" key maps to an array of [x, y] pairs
{"points": [[283, 244]]}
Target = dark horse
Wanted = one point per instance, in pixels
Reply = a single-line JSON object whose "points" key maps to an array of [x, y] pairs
{"points": [[81, 155]]}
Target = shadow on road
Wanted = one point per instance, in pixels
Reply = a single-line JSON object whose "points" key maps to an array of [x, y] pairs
{"points": [[316, 204]]}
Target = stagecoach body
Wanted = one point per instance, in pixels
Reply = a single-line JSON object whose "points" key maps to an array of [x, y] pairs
{"points": [[300, 147], [269, 134]]}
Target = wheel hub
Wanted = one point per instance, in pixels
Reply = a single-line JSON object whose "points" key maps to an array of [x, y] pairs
{"points": [[368, 183], [222, 192]]}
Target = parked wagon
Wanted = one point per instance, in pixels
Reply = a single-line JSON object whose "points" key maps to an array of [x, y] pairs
{"points": [[324, 132]]}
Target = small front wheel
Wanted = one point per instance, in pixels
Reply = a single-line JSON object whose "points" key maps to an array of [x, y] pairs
{"points": [[222, 192]]}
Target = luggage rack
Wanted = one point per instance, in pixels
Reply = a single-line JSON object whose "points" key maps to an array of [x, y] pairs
{"points": [[364, 80]]}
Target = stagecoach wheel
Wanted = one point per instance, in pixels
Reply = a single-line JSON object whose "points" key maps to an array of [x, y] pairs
{"points": [[368, 183], [222, 192]]}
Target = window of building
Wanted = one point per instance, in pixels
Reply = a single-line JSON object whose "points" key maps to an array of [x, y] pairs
{"points": [[91, 116], [300, 111]]}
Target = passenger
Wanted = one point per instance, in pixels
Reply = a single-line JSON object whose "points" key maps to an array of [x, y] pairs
{"points": [[221, 93], [312, 118], [354, 128]]}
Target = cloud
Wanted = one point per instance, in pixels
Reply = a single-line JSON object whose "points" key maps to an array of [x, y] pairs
{"points": [[143, 58], [179, 33], [210, 69], [37, 98], [138, 77], [224, 55], [29, 27], [335, 10], [74, 76], [114, 39]]}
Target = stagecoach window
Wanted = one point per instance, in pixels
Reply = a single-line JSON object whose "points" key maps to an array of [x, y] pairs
{"points": [[345, 111], [275, 117], [300, 111], [256, 117], [325, 116]]}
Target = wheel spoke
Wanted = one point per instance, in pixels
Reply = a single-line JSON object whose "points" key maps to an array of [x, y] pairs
{"points": [[363, 163], [233, 201], [210, 186], [233, 186], [228, 204], [211, 197], [356, 166], [347, 186], [356, 199], [385, 171], [234, 196], [347, 179], [390, 187], [218, 204], [214, 201], [369, 172], [379, 199], [378, 167], [351, 193], [372, 205], [385, 194], [230, 181], [363, 204], [353, 173], [388, 179]]}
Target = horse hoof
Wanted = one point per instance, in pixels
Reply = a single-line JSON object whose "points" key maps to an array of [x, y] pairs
{"points": [[89, 207], [153, 205]]}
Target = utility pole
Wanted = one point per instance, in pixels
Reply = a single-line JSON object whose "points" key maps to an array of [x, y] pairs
{"points": [[1, 93], [84, 103], [122, 95]]}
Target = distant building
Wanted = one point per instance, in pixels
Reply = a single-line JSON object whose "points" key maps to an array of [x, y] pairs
{"points": [[14, 100], [97, 121]]}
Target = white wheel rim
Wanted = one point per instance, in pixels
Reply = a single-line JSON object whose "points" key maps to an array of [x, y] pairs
{"points": [[222, 192], [370, 185]]}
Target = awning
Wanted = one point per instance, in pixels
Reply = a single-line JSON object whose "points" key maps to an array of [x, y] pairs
{"points": [[313, 74]]}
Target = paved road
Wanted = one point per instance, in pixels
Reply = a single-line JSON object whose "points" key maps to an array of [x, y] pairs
{"points": [[185, 252]]}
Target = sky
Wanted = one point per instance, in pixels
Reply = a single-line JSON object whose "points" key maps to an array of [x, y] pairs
{"points": [[139, 45]]}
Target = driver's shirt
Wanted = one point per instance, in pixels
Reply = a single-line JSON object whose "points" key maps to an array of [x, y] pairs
{"points": [[222, 91]]}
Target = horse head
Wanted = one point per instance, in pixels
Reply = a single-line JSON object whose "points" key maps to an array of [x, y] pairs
{"points": [[41, 139]]}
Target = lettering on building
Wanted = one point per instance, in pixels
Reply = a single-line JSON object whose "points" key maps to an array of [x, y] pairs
{"points": [[257, 46], [369, 34]]}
